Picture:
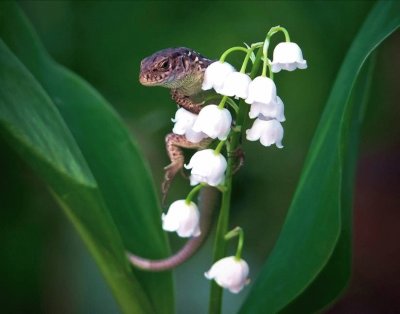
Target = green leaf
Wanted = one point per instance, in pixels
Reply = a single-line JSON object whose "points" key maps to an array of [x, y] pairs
{"points": [[33, 126], [332, 280], [68, 132], [316, 233]]}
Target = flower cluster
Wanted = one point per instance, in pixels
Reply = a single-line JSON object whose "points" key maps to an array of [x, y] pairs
{"points": [[209, 166], [265, 106]]}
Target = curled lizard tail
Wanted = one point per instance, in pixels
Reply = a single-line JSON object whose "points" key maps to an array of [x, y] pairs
{"points": [[207, 203]]}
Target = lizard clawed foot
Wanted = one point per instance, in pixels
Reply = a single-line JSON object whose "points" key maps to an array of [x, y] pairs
{"points": [[238, 153], [170, 171]]}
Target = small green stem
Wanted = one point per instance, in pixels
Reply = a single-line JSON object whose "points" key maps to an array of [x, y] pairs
{"points": [[232, 104], [271, 32], [193, 192], [265, 57], [220, 244], [246, 59], [217, 150], [234, 233], [215, 305], [277, 29], [227, 52], [222, 102]]}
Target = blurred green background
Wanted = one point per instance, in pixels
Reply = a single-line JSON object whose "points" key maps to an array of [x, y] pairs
{"points": [[43, 264]]}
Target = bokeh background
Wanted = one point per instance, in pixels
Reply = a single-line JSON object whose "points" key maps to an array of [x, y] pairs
{"points": [[44, 266]]}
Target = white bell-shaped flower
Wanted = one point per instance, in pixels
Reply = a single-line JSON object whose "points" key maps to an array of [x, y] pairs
{"points": [[262, 90], [216, 74], [207, 167], [183, 218], [214, 122], [229, 273], [288, 56], [184, 121], [267, 131], [273, 110], [236, 84]]}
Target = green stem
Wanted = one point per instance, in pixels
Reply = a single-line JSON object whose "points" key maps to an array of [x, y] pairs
{"points": [[215, 305], [232, 104], [271, 74], [222, 103], [234, 233], [193, 192], [217, 150], [227, 52], [246, 59], [265, 56], [277, 29], [267, 40], [220, 244]]}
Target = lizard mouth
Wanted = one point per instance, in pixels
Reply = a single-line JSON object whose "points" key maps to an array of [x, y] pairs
{"points": [[148, 80]]}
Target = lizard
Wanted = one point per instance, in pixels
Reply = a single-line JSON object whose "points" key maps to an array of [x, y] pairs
{"points": [[181, 70]]}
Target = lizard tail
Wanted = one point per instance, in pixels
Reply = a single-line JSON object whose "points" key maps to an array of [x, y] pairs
{"points": [[207, 202]]}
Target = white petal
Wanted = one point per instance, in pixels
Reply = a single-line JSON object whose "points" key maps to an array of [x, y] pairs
{"points": [[182, 218], [170, 221], [273, 110], [256, 130], [288, 56], [279, 110], [236, 84], [215, 75], [207, 167], [261, 90], [194, 137], [183, 121], [229, 273], [267, 131], [214, 122]]}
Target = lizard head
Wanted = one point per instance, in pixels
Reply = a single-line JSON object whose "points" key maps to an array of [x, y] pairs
{"points": [[172, 67]]}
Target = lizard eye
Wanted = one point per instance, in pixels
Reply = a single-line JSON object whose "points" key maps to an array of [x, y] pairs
{"points": [[164, 65]]}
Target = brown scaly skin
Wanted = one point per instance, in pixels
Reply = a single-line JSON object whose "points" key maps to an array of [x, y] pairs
{"points": [[181, 70]]}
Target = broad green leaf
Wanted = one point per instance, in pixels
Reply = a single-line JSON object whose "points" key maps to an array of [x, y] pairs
{"points": [[121, 176], [332, 280], [34, 127], [313, 236]]}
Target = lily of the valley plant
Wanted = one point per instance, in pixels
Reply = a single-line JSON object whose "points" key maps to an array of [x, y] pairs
{"points": [[250, 91]]}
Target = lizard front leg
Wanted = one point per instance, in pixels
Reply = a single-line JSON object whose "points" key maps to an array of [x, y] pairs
{"points": [[174, 144], [185, 102]]}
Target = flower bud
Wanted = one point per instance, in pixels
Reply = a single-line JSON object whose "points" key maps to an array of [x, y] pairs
{"points": [[214, 122], [230, 273], [207, 167], [215, 75], [288, 56], [262, 90], [273, 110], [184, 121], [267, 131], [183, 218], [236, 84]]}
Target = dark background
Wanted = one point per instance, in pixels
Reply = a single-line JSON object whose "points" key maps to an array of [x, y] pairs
{"points": [[43, 264]]}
